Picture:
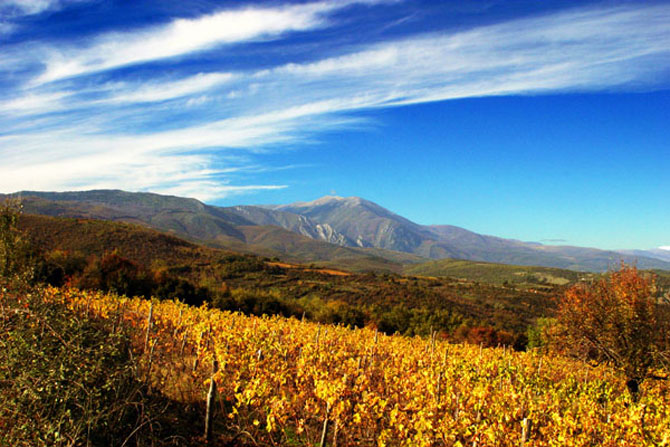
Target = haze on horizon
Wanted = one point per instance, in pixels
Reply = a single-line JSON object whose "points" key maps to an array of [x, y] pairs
{"points": [[543, 121]]}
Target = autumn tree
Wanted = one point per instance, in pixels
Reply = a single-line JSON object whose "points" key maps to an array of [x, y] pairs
{"points": [[14, 248], [620, 319]]}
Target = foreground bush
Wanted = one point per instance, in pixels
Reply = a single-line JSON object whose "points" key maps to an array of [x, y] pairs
{"points": [[69, 380]]}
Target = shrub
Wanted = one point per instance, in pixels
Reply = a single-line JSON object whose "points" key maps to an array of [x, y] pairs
{"points": [[64, 379], [620, 320], [15, 262]]}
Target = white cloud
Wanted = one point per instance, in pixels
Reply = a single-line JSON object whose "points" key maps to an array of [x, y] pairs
{"points": [[6, 28], [665, 247], [577, 50], [161, 91], [79, 158], [107, 167], [27, 7], [248, 111], [207, 190], [30, 7], [34, 103], [184, 36]]}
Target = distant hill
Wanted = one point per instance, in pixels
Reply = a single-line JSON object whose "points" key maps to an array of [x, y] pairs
{"points": [[412, 305], [657, 253], [97, 237], [370, 225], [229, 228], [513, 275], [346, 232]]}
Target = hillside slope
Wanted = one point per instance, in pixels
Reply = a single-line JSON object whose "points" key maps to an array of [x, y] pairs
{"points": [[322, 231], [393, 303], [371, 225], [245, 231], [514, 275]]}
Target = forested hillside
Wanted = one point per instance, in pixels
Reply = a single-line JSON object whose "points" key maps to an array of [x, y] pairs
{"points": [[133, 260]]}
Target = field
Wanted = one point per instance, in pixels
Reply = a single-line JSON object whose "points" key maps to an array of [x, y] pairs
{"points": [[513, 275], [285, 382]]}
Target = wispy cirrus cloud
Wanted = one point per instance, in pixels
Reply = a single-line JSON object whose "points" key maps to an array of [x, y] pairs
{"points": [[161, 91], [12, 11], [112, 134], [28, 7], [582, 50], [6, 28], [168, 161], [32, 103], [185, 36]]}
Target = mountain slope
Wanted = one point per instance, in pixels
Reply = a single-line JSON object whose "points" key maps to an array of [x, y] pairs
{"points": [[328, 230], [242, 229], [293, 222], [180, 215], [656, 253], [362, 221], [368, 224]]}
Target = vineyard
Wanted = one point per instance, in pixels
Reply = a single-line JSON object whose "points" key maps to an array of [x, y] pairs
{"points": [[288, 382]]}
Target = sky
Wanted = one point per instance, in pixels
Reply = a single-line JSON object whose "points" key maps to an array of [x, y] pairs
{"points": [[540, 121]]}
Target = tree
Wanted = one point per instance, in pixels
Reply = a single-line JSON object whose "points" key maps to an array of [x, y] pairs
{"points": [[14, 248], [620, 319]]}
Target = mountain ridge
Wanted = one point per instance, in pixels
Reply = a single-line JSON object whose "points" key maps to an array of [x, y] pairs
{"points": [[391, 231], [350, 223]]}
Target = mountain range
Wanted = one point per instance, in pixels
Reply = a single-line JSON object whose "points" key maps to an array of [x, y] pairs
{"points": [[346, 232]]}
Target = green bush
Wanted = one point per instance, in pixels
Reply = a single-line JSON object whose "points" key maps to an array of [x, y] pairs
{"points": [[68, 380], [15, 262], [537, 334]]}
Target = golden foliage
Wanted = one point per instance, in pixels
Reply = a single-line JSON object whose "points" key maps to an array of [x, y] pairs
{"points": [[278, 377]]}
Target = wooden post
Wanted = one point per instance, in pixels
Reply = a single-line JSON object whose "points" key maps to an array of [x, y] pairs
{"points": [[211, 395], [178, 325], [439, 385], [183, 345], [324, 432], [335, 430], [122, 315], [196, 362], [116, 317], [151, 357], [526, 426], [458, 403], [151, 314]]}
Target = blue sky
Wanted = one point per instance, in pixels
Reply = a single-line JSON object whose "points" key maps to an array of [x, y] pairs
{"points": [[544, 121]]}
